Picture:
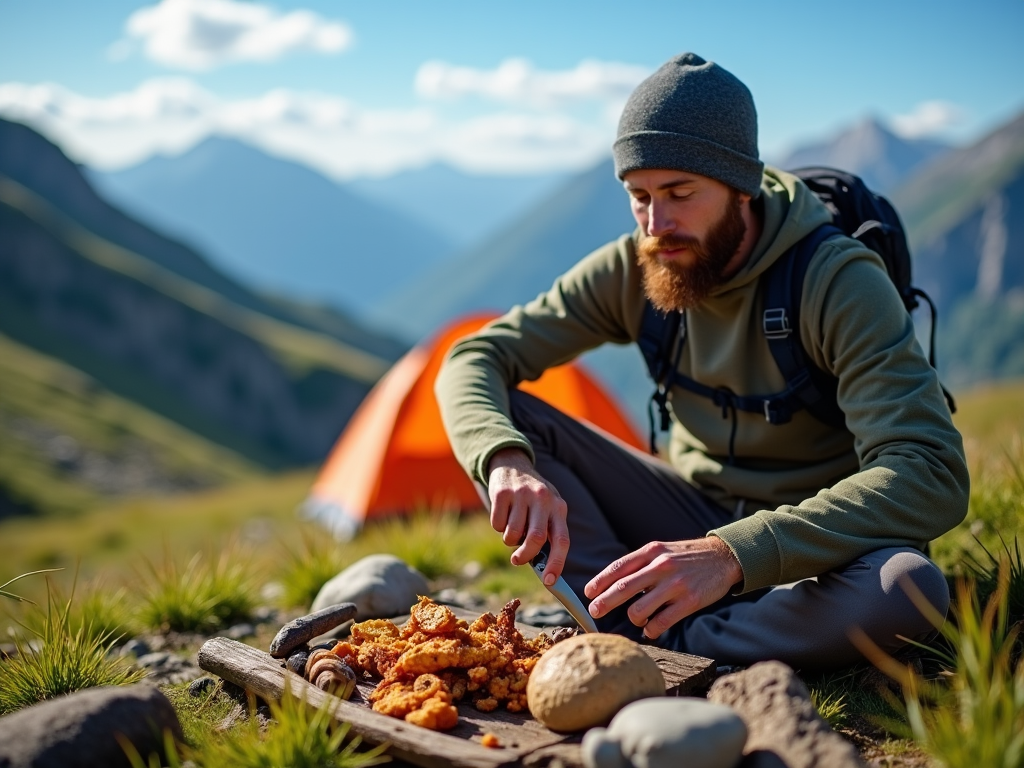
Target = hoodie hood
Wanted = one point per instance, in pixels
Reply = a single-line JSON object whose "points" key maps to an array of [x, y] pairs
{"points": [[790, 211]]}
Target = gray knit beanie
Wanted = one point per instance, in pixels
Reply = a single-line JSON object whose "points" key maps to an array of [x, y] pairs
{"points": [[691, 115]]}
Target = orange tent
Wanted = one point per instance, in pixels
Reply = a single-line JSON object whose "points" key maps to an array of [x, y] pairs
{"points": [[394, 455]]}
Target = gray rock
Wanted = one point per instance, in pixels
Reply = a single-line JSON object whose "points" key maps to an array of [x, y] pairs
{"points": [[135, 647], [163, 668], [202, 686], [153, 660], [781, 720], [665, 733], [240, 631], [381, 586], [78, 731], [303, 629]]}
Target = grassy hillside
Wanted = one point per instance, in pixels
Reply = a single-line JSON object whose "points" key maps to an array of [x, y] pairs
{"points": [[66, 443]]}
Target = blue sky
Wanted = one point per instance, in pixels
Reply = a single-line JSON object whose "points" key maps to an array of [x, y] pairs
{"points": [[373, 87]]}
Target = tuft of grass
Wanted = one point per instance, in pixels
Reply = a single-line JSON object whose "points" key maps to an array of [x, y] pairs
{"points": [[831, 707], [300, 736], [427, 540], [975, 716], [1008, 568], [63, 660], [308, 567], [201, 596]]}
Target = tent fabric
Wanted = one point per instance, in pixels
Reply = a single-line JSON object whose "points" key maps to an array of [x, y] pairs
{"points": [[394, 456]]}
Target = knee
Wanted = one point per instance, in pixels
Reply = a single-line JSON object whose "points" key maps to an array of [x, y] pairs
{"points": [[907, 578]]}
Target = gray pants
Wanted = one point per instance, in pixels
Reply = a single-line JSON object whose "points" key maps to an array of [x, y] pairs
{"points": [[619, 499]]}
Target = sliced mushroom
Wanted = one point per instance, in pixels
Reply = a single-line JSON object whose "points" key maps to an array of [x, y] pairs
{"points": [[334, 675]]}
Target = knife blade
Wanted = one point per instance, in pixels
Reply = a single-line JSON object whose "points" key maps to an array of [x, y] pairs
{"points": [[563, 594]]}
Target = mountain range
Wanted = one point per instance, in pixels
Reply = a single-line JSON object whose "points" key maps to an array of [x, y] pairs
{"points": [[466, 208], [277, 225], [149, 320], [281, 226], [869, 150]]}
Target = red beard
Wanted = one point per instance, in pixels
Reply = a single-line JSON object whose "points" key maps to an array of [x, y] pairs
{"points": [[673, 287]]}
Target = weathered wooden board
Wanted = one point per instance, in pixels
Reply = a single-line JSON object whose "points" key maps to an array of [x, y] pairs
{"points": [[520, 735]]}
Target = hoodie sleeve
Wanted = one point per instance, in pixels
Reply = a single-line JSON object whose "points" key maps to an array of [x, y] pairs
{"points": [[599, 300], [913, 484]]}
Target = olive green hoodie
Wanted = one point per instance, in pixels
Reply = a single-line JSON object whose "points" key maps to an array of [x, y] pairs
{"points": [[815, 496]]}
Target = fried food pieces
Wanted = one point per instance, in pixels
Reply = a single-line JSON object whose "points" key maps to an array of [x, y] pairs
{"points": [[438, 659]]}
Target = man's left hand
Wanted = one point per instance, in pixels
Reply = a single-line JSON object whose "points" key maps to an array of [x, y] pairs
{"points": [[676, 577]]}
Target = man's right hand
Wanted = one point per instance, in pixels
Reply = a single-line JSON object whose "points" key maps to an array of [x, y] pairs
{"points": [[527, 510]]}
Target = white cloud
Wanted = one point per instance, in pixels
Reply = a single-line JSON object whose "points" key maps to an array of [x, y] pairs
{"points": [[516, 81], [201, 34], [332, 134], [928, 119]]}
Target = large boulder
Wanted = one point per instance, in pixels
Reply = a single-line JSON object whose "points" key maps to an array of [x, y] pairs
{"points": [[665, 733], [80, 730], [784, 728], [381, 586]]}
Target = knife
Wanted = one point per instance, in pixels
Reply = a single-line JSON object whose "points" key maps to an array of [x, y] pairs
{"points": [[561, 590], [563, 593]]}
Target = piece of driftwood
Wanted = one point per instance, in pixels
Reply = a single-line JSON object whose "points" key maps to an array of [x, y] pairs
{"points": [[520, 735]]}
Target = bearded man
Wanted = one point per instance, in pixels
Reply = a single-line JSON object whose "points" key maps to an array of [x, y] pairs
{"points": [[755, 540]]}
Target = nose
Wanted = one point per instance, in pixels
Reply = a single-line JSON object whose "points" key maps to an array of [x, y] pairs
{"points": [[659, 222]]}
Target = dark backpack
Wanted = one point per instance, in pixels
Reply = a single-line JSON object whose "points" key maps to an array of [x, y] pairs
{"points": [[857, 212]]}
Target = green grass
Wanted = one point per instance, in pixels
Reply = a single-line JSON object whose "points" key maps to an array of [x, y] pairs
{"points": [[300, 736], [974, 714], [204, 594], [199, 715], [65, 659]]}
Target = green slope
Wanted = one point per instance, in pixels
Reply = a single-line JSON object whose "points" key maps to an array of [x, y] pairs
{"points": [[68, 444], [297, 347]]}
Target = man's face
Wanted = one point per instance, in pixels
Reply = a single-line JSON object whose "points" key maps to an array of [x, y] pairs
{"points": [[692, 227]]}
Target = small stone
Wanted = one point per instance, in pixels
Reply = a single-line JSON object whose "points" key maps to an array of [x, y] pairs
{"points": [[240, 631], [472, 569], [381, 586], [664, 733], [264, 614], [202, 686], [135, 647], [297, 661], [547, 616], [80, 730], [152, 660], [8, 651], [781, 719], [302, 630]]}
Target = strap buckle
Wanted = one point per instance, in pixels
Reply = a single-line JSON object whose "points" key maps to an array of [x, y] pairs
{"points": [[776, 324], [776, 411]]}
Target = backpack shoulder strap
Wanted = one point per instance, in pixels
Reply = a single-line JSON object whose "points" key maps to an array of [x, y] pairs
{"points": [[781, 291], [659, 343], [657, 333]]}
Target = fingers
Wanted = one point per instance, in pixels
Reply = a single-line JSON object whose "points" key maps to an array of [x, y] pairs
{"points": [[665, 618], [558, 535], [624, 566], [518, 518], [621, 590]]}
